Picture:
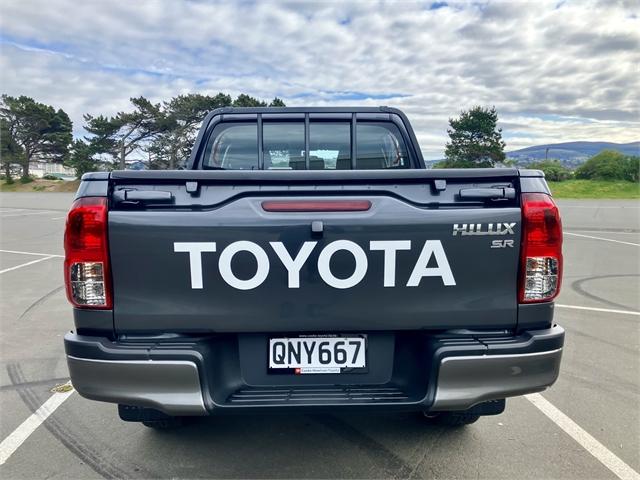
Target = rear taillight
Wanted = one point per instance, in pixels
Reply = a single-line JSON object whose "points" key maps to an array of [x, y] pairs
{"points": [[86, 264], [541, 253]]}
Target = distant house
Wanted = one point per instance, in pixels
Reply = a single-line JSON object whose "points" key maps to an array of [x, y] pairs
{"points": [[136, 165], [39, 169]]}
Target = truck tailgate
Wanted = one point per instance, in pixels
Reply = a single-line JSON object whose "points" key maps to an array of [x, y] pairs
{"points": [[455, 266]]}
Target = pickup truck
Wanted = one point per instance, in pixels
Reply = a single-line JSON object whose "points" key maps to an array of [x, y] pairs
{"points": [[306, 260]]}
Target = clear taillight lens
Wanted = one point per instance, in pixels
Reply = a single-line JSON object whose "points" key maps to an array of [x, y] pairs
{"points": [[86, 266], [87, 283], [541, 280], [541, 261]]}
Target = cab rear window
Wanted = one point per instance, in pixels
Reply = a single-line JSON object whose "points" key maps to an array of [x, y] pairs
{"points": [[380, 145], [235, 146], [283, 145], [232, 146]]}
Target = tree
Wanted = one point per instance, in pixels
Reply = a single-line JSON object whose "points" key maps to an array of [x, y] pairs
{"points": [[82, 158], [553, 170], [475, 140], [126, 132], [10, 152], [632, 168], [35, 130], [610, 165], [183, 116], [248, 101]]}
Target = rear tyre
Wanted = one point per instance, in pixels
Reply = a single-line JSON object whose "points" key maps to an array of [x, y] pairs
{"points": [[452, 419], [149, 417], [164, 424], [460, 418]]}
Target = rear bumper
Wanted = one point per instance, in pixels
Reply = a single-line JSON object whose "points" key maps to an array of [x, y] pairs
{"points": [[201, 377], [171, 386], [466, 381]]}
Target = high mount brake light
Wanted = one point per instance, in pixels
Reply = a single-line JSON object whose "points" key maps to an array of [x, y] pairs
{"points": [[316, 205], [86, 264], [541, 252]]}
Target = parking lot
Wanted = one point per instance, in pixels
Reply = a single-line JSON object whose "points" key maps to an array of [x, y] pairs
{"points": [[586, 426]]}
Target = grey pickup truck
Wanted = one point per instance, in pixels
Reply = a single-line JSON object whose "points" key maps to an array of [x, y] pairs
{"points": [[305, 260]]}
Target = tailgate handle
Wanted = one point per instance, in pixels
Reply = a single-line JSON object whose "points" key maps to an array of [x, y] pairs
{"points": [[140, 197], [487, 193]]}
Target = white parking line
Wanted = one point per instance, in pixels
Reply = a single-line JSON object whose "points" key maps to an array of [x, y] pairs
{"points": [[615, 232], [16, 438], [598, 207], [594, 309], [46, 212], [603, 239], [25, 264], [31, 253], [586, 441]]}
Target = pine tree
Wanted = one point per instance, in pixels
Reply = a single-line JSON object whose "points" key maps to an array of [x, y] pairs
{"points": [[36, 130], [475, 140]]}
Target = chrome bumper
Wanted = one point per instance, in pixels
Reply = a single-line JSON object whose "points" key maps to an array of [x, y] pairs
{"points": [[173, 387], [467, 381]]}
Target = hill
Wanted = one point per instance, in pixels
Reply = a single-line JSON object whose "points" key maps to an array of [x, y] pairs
{"points": [[571, 154]]}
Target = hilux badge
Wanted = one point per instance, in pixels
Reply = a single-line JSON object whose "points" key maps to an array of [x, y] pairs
{"points": [[500, 228]]}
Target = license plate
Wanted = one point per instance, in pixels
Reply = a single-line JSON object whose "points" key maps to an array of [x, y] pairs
{"points": [[317, 354]]}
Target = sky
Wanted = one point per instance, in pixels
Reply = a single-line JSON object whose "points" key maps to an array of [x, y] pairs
{"points": [[555, 70]]}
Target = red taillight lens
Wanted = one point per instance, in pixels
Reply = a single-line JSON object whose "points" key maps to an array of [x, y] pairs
{"points": [[541, 252], [86, 264]]}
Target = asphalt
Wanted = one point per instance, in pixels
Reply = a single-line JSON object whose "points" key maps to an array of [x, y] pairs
{"points": [[598, 387]]}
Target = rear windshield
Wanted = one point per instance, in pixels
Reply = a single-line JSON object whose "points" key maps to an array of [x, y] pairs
{"points": [[235, 146]]}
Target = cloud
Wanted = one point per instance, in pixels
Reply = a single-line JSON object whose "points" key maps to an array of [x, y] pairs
{"points": [[555, 71]]}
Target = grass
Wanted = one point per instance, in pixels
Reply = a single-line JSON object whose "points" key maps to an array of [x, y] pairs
{"points": [[40, 185], [595, 189]]}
